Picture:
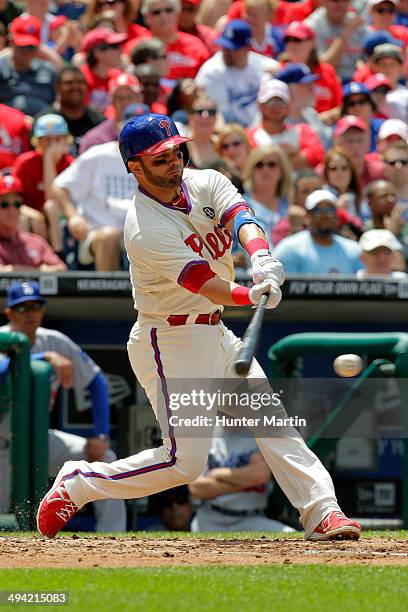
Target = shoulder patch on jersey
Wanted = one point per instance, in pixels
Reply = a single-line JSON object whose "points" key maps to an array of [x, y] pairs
{"points": [[209, 212]]}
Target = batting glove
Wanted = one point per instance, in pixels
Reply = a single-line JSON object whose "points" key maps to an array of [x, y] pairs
{"points": [[264, 266], [266, 286]]}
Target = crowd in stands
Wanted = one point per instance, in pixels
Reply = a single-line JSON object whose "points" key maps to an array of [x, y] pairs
{"points": [[302, 104]]}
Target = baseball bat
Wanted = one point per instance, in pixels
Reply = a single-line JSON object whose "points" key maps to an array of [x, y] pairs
{"points": [[251, 339]]}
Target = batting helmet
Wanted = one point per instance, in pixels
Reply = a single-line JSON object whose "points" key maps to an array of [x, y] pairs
{"points": [[149, 135]]}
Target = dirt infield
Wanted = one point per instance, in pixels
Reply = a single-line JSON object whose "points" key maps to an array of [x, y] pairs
{"points": [[74, 551]]}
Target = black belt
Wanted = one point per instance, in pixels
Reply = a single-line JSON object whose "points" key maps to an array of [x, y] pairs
{"points": [[227, 512]]}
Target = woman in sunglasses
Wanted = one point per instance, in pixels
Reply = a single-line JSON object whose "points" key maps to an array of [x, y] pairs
{"points": [[341, 179], [233, 145], [383, 14], [300, 48], [202, 119], [268, 181]]}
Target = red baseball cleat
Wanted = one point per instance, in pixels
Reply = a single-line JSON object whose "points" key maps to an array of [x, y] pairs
{"points": [[55, 510], [336, 526]]}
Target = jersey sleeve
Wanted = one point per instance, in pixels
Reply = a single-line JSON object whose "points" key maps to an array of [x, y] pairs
{"points": [[224, 197], [180, 261]]}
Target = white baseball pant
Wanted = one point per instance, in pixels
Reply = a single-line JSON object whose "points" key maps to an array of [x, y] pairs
{"points": [[158, 354]]}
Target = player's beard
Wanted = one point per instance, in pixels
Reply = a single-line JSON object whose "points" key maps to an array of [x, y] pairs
{"points": [[162, 181]]}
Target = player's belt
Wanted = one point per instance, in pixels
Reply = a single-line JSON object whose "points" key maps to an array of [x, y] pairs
{"points": [[213, 318], [228, 512]]}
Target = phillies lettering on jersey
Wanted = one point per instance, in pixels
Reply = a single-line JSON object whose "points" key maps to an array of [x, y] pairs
{"points": [[217, 242]]}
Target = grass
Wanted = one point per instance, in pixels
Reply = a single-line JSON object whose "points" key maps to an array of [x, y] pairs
{"points": [[280, 588]]}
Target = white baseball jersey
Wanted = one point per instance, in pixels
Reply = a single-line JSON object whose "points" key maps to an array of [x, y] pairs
{"points": [[173, 251]]}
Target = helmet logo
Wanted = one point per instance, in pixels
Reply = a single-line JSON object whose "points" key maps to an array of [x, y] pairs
{"points": [[166, 125]]}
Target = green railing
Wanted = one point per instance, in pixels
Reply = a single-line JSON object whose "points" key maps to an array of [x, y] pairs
{"points": [[389, 352]]}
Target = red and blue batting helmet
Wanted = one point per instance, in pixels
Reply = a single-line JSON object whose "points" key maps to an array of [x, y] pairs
{"points": [[150, 134]]}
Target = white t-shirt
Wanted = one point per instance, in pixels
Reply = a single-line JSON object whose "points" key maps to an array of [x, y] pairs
{"points": [[235, 89], [99, 185], [167, 248], [396, 104]]}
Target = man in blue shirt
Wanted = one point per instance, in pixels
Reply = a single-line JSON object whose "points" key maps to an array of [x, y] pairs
{"points": [[318, 249]]}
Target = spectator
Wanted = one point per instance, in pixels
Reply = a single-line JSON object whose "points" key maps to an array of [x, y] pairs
{"points": [[151, 51], [15, 130], [392, 132], [299, 141], [185, 52], [372, 40], [37, 169], [187, 22], [71, 92], [123, 17], [124, 89], [149, 79], [96, 208], [268, 181], [352, 135], [72, 368], [266, 39], [379, 86], [396, 169], [300, 81], [318, 249], [102, 48], [8, 12], [297, 219], [382, 14], [183, 96], [378, 250], [26, 82], [201, 128], [65, 37], [300, 48], [402, 13], [21, 251], [173, 509], [233, 490], [388, 60], [233, 75], [341, 178], [39, 9], [232, 144], [339, 34], [357, 101]]}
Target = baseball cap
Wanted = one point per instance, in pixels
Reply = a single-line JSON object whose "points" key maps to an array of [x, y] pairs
{"points": [[25, 31], [379, 37], [355, 88], [374, 238], [393, 127], [319, 196], [299, 30], [58, 21], [50, 125], [100, 36], [372, 3], [124, 80], [272, 88], [347, 122], [18, 293], [236, 34], [296, 73], [133, 110], [10, 184], [387, 50], [377, 80]]}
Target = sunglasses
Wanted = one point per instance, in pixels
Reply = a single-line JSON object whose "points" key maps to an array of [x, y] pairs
{"points": [[16, 204], [384, 11], [328, 211], [229, 145], [394, 162], [106, 46], [268, 164], [23, 308], [210, 112], [359, 102], [275, 102], [168, 10]]}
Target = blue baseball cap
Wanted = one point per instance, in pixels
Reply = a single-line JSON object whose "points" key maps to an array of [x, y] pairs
{"points": [[236, 34], [355, 88], [295, 74], [27, 291], [50, 125], [379, 37]]}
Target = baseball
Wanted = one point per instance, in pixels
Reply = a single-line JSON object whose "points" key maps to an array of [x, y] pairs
{"points": [[348, 365]]}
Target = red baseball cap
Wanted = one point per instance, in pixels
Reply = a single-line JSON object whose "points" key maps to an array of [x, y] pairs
{"points": [[194, 2], [347, 122], [377, 80], [25, 31], [299, 30], [58, 21], [99, 36], [10, 184], [124, 80]]}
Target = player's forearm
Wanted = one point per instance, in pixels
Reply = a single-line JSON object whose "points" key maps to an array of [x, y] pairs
{"points": [[207, 487], [224, 292], [242, 477], [62, 197]]}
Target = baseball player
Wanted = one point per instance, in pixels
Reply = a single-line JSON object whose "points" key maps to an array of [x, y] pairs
{"points": [[72, 367], [178, 236]]}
